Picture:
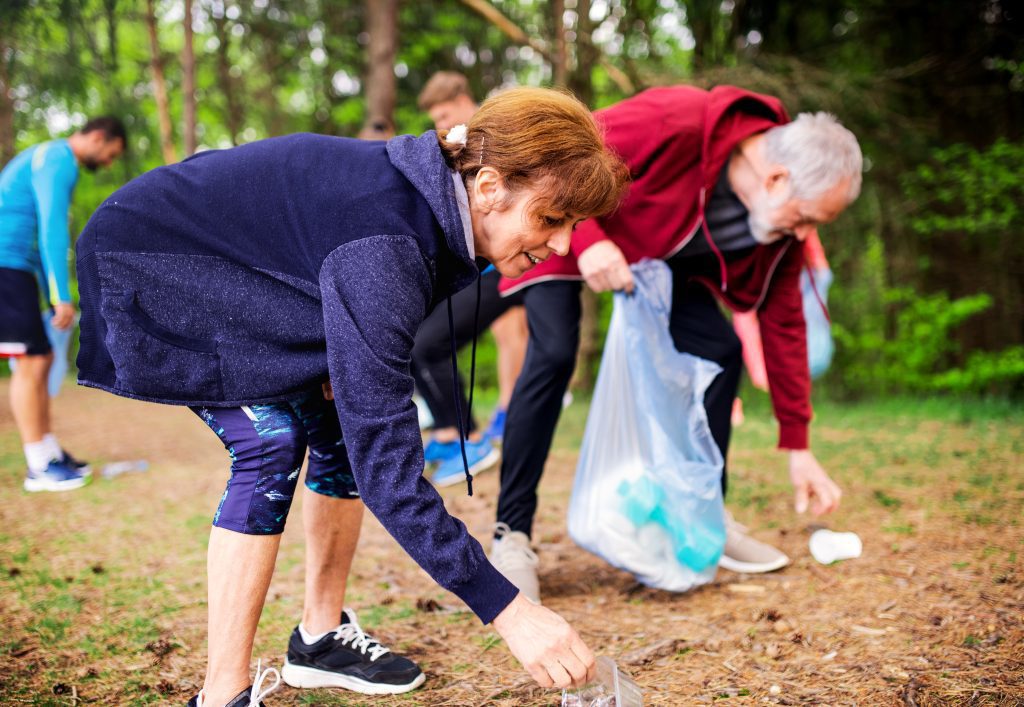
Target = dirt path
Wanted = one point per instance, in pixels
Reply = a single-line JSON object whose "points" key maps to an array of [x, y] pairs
{"points": [[102, 591]]}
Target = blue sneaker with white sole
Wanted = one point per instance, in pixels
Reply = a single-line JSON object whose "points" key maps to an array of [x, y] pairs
{"points": [[435, 451], [481, 456], [82, 466], [58, 476], [496, 429]]}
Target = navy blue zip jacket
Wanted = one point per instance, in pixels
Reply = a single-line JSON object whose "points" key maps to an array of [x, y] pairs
{"points": [[250, 275]]}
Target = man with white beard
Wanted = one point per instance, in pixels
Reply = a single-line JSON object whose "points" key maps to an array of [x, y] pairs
{"points": [[725, 190]]}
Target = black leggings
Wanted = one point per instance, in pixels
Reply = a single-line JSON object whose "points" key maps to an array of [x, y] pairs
{"points": [[431, 353], [697, 326]]}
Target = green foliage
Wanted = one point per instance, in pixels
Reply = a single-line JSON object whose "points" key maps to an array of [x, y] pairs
{"points": [[917, 353], [962, 190], [898, 339]]}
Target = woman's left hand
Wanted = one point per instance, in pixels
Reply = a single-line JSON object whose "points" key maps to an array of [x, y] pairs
{"points": [[328, 390], [551, 651]]}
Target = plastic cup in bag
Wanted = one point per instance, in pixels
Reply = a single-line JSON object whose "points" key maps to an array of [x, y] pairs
{"points": [[700, 546], [612, 688]]}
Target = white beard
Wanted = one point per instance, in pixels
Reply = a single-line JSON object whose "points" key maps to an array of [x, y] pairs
{"points": [[761, 228]]}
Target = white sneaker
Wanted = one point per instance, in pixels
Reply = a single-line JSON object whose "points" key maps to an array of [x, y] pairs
{"points": [[512, 556], [744, 554]]}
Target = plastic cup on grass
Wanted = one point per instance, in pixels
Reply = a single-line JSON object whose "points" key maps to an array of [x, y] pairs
{"points": [[612, 688], [828, 546]]}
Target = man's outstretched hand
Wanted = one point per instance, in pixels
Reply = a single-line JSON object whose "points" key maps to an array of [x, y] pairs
{"points": [[813, 488]]}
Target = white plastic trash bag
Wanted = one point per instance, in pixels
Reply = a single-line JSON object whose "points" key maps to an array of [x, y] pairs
{"points": [[647, 496]]}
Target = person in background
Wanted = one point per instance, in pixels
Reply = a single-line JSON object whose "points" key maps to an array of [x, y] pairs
{"points": [[35, 195], [448, 102], [726, 190], [815, 280]]}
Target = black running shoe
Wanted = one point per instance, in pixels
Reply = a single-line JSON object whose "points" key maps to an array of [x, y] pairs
{"points": [[350, 659], [242, 699]]}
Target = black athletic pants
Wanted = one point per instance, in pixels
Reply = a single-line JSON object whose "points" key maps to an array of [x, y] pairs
{"points": [[432, 353], [697, 326]]}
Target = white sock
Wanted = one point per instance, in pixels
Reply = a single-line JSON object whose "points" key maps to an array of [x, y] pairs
{"points": [[39, 456], [308, 638], [53, 446]]}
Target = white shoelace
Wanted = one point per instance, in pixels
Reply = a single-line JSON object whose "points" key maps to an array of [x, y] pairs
{"points": [[512, 555], [360, 641], [255, 695]]}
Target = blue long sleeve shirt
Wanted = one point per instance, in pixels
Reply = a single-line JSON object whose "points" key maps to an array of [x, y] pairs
{"points": [[252, 274], [35, 195]]}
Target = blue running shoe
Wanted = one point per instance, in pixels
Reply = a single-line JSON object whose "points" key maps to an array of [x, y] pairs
{"points": [[496, 430], [439, 451], [481, 456], [58, 476], [69, 460]]}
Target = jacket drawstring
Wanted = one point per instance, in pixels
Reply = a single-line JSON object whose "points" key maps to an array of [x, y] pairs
{"points": [[464, 422]]}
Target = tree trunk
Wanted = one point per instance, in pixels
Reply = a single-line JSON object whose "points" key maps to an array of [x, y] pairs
{"points": [[111, 9], [381, 89], [232, 110], [7, 146], [188, 84], [156, 63], [582, 85], [560, 58], [701, 16]]}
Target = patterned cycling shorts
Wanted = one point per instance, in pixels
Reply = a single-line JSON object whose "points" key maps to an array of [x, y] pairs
{"points": [[267, 444]]}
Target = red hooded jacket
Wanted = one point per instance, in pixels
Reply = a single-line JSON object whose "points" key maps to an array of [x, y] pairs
{"points": [[675, 141]]}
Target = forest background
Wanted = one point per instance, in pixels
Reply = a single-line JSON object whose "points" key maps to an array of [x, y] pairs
{"points": [[929, 262]]}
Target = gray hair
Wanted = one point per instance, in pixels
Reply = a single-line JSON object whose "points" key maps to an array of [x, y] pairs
{"points": [[818, 152]]}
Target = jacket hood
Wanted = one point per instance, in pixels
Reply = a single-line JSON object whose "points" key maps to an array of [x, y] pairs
{"points": [[734, 114], [420, 161]]}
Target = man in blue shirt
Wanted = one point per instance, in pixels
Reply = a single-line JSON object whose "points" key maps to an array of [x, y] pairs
{"points": [[35, 194]]}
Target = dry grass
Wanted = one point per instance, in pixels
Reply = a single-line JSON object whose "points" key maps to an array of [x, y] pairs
{"points": [[102, 591]]}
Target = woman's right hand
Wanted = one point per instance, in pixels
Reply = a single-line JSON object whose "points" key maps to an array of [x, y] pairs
{"points": [[551, 651]]}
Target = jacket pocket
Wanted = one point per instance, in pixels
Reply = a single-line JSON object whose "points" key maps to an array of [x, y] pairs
{"points": [[151, 360]]}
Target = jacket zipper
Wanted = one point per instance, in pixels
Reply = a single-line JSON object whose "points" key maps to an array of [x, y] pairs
{"points": [[768, 278], [693, 231], [723, 286]]}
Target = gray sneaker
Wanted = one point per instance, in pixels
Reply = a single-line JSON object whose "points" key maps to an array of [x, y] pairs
{"points": [[512, 556], [744, 554]]}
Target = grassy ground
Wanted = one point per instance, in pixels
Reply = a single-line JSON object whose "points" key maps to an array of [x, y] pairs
{"points": [[102, 591]]}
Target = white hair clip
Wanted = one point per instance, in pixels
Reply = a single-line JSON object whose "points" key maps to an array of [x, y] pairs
{"points": [[457, 135]]}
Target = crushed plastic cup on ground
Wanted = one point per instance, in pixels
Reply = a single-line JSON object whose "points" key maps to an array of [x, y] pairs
{"points": [[113, 469], [612, 688], [828, 546]]}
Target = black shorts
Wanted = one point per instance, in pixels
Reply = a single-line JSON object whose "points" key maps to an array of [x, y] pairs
{"points": [[21, 320]]}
